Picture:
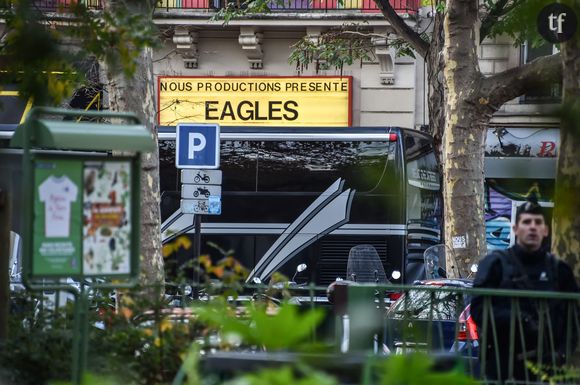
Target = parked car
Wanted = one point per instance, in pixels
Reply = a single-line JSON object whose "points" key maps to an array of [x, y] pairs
{"points": [[432, 321]]}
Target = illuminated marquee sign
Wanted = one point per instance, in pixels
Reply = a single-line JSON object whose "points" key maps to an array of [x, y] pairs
{"points": [[266, 101]]}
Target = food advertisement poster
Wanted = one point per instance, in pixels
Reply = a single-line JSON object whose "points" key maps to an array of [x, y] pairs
{"points": [[57, 213], [106, 218]]}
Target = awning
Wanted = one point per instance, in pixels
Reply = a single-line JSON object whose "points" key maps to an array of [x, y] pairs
{"points": [[83, 135]]}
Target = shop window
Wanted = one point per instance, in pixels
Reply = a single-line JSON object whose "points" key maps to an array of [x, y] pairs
{"points": [[549, 92]]}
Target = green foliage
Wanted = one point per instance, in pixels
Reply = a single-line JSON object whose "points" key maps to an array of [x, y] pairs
{"points": [[227, 272], [553, 376], [340, 47], [39, 345], [90, 379], [285, 376], [235, 9], [224, 278], [285, 328], [417, 369], [518, 20], [45, 56], [38, 63], [117, 36], [403, 48], [143, 343], [181, 242], [191, 365], [334, 49]]}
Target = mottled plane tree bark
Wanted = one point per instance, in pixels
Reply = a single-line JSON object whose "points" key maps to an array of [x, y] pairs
{"points": [[566, 219]]}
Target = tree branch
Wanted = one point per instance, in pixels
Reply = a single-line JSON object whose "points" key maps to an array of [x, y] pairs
{"points": [[509, 84], [402, 29]]}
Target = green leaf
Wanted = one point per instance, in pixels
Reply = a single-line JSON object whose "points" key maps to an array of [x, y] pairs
{"points": [[417, 369], [91, 379], [263, 328], [520, 22], [284, 376]]}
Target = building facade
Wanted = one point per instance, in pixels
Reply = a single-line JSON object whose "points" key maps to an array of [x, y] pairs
{"points": [[385, 90]]}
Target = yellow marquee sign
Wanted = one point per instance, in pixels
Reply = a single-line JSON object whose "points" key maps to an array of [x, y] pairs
{"points": [[266, 101]]}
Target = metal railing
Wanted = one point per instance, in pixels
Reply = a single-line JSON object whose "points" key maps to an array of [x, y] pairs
{"points": [[58, 6], [503, 336], [364, 6], [496, 336]]}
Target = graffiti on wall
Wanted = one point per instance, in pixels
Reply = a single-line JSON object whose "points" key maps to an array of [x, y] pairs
{"points": [[498, 216], [498, 209]]}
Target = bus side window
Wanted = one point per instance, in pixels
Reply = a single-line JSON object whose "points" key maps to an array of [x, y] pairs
{"points": [[312, 166], [239, 162], [170, 203], [168, 174], [424, 205]]}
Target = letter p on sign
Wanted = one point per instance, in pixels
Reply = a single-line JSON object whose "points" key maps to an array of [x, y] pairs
{"points": [[197, 146], [192, 146]]}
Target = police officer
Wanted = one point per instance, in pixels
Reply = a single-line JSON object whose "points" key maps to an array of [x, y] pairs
{"points": [[525, 266]]}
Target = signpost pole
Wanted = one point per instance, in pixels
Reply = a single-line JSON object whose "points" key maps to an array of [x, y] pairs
{"points": [[196, 254], [77, 343], [80, 336], [197, 150]]}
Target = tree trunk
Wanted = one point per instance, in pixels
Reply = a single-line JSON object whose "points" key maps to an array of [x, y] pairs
{"points": [[137, 95], [463, 144], [437, 96], [566, 220], [436, 86]]}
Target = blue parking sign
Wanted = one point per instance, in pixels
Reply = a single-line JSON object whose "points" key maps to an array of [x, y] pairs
{"points": [[197, 145]]}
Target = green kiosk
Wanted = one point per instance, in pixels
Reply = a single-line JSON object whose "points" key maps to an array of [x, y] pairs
{"points": [[81, 211]]}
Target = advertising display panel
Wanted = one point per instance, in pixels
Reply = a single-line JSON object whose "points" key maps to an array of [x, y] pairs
{"points": [[265, 101], [82, 217]]}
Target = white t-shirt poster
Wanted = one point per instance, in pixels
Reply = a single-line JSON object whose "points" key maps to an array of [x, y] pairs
{"points": [[57, 193], [57, 217]]}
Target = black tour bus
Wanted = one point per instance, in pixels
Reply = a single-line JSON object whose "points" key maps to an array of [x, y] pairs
{"points": [[308, 195]]}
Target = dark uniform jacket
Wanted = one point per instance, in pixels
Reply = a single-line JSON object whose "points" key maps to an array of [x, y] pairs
{"points": [[517, 269]]}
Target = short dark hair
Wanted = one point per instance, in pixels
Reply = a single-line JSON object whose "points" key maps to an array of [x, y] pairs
{"points": [[529, 207]]}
